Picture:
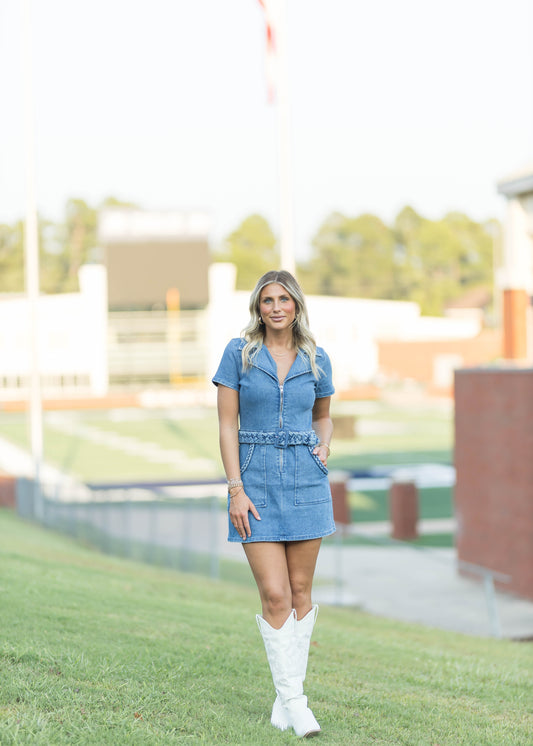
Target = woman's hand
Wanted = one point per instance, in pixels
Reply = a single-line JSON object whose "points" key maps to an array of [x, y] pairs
{"points": [[239, 507], [323, 427], [322, 451]]}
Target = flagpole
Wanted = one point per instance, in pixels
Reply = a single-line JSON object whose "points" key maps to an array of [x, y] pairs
{"points": [[279, 93], [286, 206], [31, 252]]}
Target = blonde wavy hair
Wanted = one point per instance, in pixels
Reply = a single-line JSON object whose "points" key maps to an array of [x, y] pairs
{"points": [[254, 332]]}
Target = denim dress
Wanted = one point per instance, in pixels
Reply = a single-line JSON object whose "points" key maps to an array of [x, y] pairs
{"points": [[287, 483]]}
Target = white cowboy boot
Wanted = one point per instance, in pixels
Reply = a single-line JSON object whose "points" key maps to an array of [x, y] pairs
{"points": [[303, 632], [284, 660]]}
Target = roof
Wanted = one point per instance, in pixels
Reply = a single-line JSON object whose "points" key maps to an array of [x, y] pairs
{"points": [[517, 184]]}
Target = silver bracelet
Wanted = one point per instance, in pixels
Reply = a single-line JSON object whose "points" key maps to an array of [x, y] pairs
{"points": [[234, 483]]}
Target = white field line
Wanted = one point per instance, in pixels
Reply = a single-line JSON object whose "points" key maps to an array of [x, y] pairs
{"points": [[147, 450]]}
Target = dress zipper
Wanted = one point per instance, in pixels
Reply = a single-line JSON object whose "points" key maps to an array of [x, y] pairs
{"points": [[281, 422]]}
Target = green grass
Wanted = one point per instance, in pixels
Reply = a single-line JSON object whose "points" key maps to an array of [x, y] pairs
{"points": [[195, 437], [99, 650], [360, 455], [444, 540], [393, 434]]}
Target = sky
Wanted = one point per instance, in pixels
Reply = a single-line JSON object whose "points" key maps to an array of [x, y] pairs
{"points": [[164, 103]]}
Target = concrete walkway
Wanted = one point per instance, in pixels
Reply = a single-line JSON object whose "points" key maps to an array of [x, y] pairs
{"points": [[419, 585]]}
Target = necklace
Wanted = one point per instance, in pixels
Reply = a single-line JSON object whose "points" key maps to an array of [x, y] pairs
{"points": [[278, 354]]}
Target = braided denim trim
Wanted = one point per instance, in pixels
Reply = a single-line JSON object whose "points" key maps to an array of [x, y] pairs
{"points": [[280, 438]]}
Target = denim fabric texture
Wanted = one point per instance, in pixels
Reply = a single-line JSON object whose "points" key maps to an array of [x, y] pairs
{"points": [[287, 483]]}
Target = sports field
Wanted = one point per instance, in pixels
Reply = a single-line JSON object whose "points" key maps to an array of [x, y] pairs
{"points": [[140, 443]]}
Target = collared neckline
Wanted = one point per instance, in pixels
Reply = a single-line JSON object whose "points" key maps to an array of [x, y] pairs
{"points": [[265, 362]]}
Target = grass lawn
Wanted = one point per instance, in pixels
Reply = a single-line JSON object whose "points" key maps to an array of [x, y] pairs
{"points": [[99, 650]]}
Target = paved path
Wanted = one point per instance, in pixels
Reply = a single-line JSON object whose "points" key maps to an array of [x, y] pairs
{"points": [[419, 585]]}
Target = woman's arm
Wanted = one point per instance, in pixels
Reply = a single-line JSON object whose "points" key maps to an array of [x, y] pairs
{"points": [[323, 427], [228, 425], [228, 421]]}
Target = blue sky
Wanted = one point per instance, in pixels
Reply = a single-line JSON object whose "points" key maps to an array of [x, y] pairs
{"points": [[163, 102]]}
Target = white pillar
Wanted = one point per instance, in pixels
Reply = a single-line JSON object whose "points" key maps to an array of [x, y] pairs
{"points": [[517, 247]]}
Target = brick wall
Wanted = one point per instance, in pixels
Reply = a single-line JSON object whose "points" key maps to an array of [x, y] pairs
{"points": [[7, 490], [494, 463]]}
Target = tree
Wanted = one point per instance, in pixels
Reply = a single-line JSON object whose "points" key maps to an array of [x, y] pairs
{"points": [[63, 248], [81, 222], [441, 259], [252, 248], [352, 257], [11, 258], [431, 262], [12, 263]]}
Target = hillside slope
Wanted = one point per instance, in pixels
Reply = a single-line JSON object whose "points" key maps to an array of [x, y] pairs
{"points": [[99, 650]]}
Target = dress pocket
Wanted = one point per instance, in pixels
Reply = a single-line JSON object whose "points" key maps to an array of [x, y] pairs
{"points": [[252, 458], [311, 478]]}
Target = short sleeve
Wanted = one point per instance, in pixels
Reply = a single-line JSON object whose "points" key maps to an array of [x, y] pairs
{"points": [[324, 386], [229, 371]]}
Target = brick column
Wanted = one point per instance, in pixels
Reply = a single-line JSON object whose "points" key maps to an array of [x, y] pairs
{"points": [[403, 507], [7, 490], [339, 496], [494, 472]]}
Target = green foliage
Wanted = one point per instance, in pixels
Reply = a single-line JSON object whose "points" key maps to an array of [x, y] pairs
{"points": [[12, 269], [99, 650], [429, 262], [11, 259], [252, 248], [63, 248], [79, 237], [353, 257]]}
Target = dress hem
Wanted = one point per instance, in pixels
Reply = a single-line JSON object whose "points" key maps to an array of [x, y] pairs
{"points": [[277, 540]]}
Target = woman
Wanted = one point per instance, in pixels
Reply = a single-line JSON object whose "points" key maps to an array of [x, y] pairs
{"points": [[274, 390]]}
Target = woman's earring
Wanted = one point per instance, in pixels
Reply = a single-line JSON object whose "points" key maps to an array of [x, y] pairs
{"points": [[261, 320]]}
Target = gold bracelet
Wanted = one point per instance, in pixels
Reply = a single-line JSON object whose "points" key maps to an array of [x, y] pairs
{"points": [[235, 493], [325, 444]]}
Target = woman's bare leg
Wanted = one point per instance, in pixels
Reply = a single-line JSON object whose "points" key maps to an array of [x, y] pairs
{"points": [[301, 563], [284, 576], [268, 562]]}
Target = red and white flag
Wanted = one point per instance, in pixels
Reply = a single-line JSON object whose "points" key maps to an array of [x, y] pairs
{"points": [[270, 54]]}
